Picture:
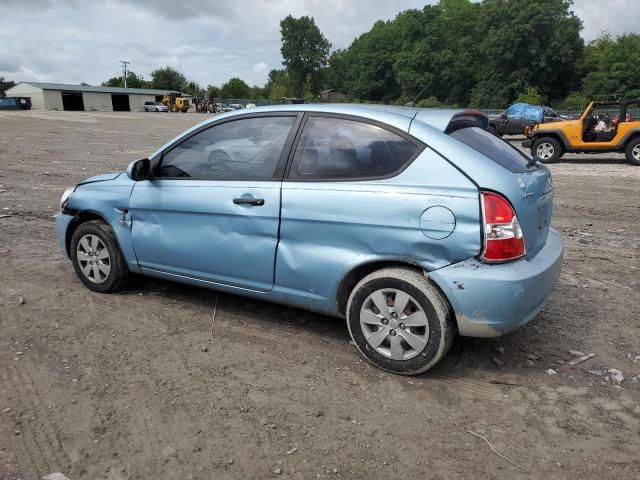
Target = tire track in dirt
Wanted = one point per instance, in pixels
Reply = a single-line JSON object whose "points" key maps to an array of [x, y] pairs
{"points": [[23, 453], [38, 446]]}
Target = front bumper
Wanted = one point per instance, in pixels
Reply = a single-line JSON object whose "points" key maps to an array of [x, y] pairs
{"points": [[491, 300], [62, 225], [527, 143]]}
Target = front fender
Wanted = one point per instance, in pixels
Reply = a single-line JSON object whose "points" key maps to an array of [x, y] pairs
{"points": [[110, 201]]}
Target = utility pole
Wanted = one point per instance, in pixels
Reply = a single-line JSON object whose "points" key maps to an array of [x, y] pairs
{"points": [[124, 65]]}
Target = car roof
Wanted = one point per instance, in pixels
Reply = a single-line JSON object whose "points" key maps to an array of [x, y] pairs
{"points": [[437, 120], [434, 117]]}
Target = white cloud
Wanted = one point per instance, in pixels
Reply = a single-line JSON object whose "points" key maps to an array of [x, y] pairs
{"points": [[260, 68], [73, 41], [614, 16]]}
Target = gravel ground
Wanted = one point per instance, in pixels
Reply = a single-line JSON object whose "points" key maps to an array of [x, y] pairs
{"points": [[143, 385]]}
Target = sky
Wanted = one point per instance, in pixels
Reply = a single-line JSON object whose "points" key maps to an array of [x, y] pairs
{"points": [[210, 41]]}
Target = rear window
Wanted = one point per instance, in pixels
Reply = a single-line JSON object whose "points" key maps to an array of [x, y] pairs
{"points": [[494, 148]]}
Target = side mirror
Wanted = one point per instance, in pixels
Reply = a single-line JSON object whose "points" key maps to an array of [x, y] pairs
{"points": [[503, 115], [139, 170]]}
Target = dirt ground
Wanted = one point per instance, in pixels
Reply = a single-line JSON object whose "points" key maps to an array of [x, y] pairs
{"points": [[139, 386]]}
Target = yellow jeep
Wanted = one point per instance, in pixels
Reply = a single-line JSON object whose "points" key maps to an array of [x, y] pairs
{"points": [[602, 127]]}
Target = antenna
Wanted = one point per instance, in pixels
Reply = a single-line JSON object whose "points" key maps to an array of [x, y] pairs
{"points": [[124, 65], [417, 97]]}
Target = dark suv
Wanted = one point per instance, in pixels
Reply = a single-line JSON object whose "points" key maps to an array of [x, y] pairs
{"points": [[519, 116]]}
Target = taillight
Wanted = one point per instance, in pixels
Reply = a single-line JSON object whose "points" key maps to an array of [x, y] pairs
{"points": [[503, 240]]}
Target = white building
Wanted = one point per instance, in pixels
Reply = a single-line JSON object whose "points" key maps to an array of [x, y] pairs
{"points": [[55, 96]]}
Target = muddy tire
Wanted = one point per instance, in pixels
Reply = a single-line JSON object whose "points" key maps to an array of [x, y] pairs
{"points": [[97, 259], [399, 321], [632, 151], [547, 149]]}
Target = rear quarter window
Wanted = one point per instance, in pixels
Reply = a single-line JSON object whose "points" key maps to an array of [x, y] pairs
{"points": [[344, 149], [494, 148]]}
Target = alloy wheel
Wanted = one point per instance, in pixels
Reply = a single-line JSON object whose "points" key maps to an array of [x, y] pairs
{"points": [[394, 324], [545, 151], [93, 258]]}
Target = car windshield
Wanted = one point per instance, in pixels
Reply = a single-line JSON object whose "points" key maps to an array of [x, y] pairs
{"points": [[494, 148]]}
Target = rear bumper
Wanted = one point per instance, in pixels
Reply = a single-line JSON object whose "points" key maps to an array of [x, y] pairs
{"points": [[527, 143], [491, 300]]}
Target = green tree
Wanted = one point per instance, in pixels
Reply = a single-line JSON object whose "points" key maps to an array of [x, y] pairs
{"points": [[367, 65], [235, 88], [612, 67], [526, 43], [308, 90], [432, 51], [429, 102], [277, 86], [6, 85], [530, 95], [305, 51], [334, 74], [256, 93], [213, 91], [133, 81], [575, 101], [192, 88], [168, 78]]}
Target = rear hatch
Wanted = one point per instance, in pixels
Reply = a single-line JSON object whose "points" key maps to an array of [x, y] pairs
{"points": [[528, 188]]}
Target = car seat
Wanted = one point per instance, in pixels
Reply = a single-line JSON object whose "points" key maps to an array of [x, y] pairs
{"points": [[343, 156], [588, 135]]}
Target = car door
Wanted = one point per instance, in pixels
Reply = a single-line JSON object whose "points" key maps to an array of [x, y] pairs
{"points": [[513, 120], [212, 210]]}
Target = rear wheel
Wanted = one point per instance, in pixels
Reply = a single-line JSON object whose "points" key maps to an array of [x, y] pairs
{"points": [[633, 151], [97, 259], [547, 149], [399, 321]]}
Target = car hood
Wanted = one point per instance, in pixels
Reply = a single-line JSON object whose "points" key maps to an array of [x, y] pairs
{"points": [[101, 178], [556, 125]]}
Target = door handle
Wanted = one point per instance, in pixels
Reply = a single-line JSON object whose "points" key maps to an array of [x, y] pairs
{"points": [[258, 202]]}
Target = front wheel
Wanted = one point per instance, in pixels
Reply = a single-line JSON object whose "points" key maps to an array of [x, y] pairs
{"points": [[399, 321], [633, 152], [97, 259], [547, 149]]}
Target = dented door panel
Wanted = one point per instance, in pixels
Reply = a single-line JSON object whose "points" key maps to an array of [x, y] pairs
{"points": [[329, 228], [193, 228]]}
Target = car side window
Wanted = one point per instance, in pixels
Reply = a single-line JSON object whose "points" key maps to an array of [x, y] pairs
{"points": [[336, 148], [512, 111], [244, 149]]}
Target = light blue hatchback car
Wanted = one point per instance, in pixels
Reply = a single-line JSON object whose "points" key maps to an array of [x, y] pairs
{"points": [[412, 224]]}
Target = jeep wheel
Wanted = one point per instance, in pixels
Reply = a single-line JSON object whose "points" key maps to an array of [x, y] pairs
{"points": [[399, 321], [633, 151], [547, 149]]}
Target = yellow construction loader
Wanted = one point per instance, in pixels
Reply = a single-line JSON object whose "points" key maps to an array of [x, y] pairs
{"points": [[176, 103]]}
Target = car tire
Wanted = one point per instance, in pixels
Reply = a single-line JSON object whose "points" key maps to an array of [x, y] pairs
{"points": [[632, 151], [97, 259], [381, 337], [547, 149]]}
